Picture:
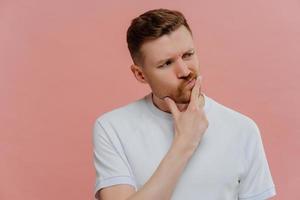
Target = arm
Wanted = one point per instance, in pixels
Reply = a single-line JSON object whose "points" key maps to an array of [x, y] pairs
{"points": [[256, 180], [161, 183]]}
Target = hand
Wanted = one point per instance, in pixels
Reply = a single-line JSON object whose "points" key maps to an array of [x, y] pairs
{"points": [[190, 124]]}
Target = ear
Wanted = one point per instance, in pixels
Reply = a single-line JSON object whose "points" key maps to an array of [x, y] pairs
{"points": [[138, 73]]}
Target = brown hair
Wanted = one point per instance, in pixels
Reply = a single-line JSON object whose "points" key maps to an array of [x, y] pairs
{"points": [[152, 25]]}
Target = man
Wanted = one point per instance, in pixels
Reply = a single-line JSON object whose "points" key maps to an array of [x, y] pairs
{"points": [[176, 142]]}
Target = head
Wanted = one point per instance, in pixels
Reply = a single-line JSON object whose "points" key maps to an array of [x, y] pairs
{"points": [[164, 56]]}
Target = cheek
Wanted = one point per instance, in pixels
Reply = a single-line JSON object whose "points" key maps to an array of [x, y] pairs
{"points": [[163, 86], [164, 82], [193, 62]]}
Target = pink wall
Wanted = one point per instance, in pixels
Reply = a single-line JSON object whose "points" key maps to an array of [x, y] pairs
{"points": [[63, 63]]}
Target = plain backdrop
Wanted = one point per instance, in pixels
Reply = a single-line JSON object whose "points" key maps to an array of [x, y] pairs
{"points": [[63, 63]]}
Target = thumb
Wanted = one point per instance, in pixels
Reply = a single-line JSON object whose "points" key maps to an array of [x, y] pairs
{"points": [[172, 106]]}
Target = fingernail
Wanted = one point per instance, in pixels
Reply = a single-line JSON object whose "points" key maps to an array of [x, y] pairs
{"points": [[199, 78]]}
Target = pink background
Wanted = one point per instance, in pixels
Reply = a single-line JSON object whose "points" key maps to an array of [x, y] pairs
{"points": [[63, 63]]}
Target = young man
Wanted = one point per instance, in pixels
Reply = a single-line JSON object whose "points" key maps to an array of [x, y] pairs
{"points": [[176, 142]]}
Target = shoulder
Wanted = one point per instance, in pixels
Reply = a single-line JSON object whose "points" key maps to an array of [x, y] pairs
{"points": [[129, 112], [230, 116]]}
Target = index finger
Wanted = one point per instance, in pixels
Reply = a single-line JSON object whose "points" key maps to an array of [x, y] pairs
{"points": [[196, 91]]}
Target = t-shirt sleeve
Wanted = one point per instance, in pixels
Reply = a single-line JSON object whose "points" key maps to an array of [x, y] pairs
{"points": [[110, 161], [256, 183]]}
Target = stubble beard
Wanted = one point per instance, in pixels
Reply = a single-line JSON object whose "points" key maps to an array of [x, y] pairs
{"points": [[183, 97]]}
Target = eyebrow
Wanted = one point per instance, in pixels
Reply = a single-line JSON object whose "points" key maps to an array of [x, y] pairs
{"points": [[164, 60]]}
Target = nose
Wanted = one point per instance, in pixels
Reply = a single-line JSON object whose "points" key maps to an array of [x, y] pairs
{"points": [[181, 68]]}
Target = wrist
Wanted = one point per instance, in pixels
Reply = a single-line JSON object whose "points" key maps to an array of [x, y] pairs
{"points": [[182, 148]]}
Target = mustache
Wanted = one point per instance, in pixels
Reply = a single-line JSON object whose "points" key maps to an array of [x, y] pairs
{"points": [[188, 79], [181, 87]]}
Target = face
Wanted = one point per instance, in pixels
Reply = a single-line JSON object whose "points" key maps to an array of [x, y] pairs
{"points": [[169, 63]]}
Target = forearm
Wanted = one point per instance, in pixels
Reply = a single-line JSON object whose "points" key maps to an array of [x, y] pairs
{"points": [[161, 184]]}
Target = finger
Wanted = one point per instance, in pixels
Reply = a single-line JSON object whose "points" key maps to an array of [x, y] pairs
{"points": [[196, 91], [201, 100], [172, 106], [200, 95]]}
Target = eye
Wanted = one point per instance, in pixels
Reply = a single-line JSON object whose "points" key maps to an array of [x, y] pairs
{"points": [[166, 64], [187, 55]]}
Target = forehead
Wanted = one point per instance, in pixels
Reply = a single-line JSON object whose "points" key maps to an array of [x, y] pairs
{"points": [[167, 46]]}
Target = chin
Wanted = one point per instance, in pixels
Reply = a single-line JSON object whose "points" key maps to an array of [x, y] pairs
{"points": [[184, 98]]}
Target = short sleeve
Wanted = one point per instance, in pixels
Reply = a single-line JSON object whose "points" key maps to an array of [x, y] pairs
{"points": [[256, 183], [110, 161]]}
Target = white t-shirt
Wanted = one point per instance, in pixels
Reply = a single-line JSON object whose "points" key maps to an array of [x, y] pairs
{"points": [[229, 163]]}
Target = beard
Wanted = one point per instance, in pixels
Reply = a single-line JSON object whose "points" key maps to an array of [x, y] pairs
{"points": [[183, 93], [183, 96]]}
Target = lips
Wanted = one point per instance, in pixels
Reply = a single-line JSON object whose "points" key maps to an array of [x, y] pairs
{"points": [[190, 80], [190, 83]]}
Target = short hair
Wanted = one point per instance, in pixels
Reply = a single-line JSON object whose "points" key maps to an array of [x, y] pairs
{"points": [[152, 25]]}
